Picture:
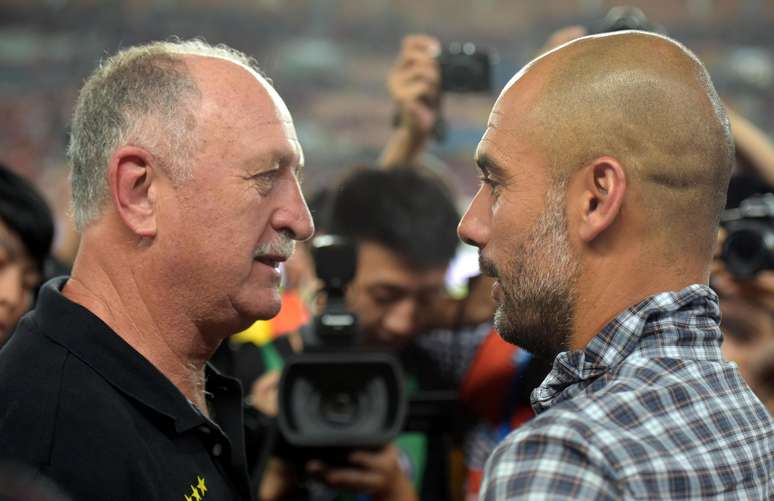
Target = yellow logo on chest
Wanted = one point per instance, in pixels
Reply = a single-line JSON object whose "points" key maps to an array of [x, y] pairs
{"points": [[198, 492]]}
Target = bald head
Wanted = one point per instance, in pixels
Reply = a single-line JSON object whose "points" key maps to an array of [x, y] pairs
{"points": [[645, 100]]}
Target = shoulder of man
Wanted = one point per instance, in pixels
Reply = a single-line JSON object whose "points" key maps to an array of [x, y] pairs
{"points": [[554, 456], [54, 409], [31, 368]]}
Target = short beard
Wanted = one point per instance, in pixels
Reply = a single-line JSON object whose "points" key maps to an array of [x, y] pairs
{"points": [[538, 285]]}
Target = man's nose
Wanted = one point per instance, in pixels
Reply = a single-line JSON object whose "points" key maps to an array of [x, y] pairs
{"points": [[293, 216], [474, 225]]}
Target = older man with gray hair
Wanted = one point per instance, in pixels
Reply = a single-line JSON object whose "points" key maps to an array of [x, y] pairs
{"points": [[185, 167]]}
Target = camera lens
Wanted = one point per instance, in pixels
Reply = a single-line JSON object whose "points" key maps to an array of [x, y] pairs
{"points": [[747, 250], [339, 409], [330, 399]]}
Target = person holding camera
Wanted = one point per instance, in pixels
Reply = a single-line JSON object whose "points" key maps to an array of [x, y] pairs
{"points": [[743, 273], [403, 224], [414, 83], [185, 166], [422, 75], [604, 169], [747, 309]]}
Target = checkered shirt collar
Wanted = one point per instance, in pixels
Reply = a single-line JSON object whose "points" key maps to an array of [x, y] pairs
{"points": [[649, 328]]}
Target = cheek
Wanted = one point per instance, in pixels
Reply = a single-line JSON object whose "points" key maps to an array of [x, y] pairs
{"points": [[507, 233], [238, 230], [258, 226], [22, 306]]}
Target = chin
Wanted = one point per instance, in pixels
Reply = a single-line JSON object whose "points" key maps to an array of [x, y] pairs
{"points": [[268, 310], [260, 305]]}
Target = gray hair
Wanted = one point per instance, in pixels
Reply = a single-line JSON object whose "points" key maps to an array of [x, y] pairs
{"points": [[142, 95]]}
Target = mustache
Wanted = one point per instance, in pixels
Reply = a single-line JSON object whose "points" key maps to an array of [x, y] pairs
{"points": [[282, 247], [486, 266]]}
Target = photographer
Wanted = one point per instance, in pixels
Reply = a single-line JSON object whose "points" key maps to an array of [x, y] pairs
{"points": [[743, 281], [403, 222], [747, 309], [493, 368]]}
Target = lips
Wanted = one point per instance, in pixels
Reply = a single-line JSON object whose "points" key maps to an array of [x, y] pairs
{"points": [[496, 290], [272, 261]]}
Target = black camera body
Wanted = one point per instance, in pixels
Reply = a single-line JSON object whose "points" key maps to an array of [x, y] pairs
{"points": [[625, 17], [336, 395], [748, 247], [465, 68]]}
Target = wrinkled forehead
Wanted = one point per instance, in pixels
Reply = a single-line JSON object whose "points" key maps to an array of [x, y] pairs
{"points": [[510, 120], [522, 91], [229, 83], [279, 103], [239, 100]]}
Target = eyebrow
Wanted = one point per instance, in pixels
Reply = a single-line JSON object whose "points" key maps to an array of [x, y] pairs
{"points": [[488, 166], [278, 157]]}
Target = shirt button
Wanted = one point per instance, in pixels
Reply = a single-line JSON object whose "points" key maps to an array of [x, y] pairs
{"points": [[217, 449]]}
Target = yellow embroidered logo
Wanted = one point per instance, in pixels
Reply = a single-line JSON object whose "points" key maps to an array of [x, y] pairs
{"points": [[198, 492]]}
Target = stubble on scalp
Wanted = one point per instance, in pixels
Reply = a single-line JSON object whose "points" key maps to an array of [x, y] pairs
{"points": [[647, 101]]}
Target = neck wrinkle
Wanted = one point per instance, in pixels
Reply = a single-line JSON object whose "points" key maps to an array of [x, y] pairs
{"points": [[168, 343]]}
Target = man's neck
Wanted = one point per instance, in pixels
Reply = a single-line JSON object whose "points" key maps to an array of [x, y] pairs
{"points": [[170, 342], [603, 296]]}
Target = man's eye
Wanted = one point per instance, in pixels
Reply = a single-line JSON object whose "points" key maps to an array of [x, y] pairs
{"points": [[385, 297], [264, 181], [491, 183]]}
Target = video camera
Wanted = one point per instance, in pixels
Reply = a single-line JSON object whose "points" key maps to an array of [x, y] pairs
{"points": [[337, 395], [748, 247]]}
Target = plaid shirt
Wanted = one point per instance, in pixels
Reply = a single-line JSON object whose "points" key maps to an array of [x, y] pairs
{"points": [[649, 410]]}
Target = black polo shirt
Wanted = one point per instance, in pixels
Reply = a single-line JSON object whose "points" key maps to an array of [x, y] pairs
{"points": [[89, 412]]}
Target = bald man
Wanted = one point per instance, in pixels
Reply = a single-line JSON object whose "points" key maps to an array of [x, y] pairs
{"points": [[604, 169], [185, 186]]}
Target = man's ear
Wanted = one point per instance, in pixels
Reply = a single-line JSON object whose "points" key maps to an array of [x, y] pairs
{"points": [[603, 186], [131, 174]]}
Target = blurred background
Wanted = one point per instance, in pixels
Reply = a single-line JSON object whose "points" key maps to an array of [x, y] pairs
{"points": [[329, 59]]}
